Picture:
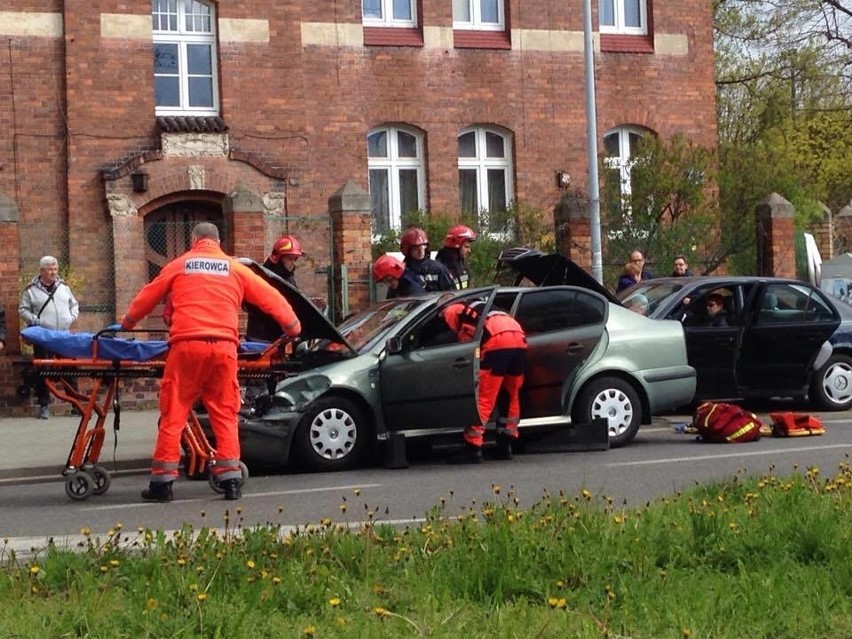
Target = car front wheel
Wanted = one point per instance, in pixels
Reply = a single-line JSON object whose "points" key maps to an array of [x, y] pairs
{"points": [[333, 435], [616, 401], [832, 385]]}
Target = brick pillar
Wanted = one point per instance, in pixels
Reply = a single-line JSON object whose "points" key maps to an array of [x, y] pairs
{"points": [[776, 246], [131, 267], [10, 270], [243, 211], [842, 227], [823, 232], [573, 230], [349, 209]]}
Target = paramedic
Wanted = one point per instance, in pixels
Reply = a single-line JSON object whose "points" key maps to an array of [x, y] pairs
{"points": [[502, 359], [207, 288]]}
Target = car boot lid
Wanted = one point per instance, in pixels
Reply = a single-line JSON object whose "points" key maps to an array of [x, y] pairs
{"points": [[550, 269]]}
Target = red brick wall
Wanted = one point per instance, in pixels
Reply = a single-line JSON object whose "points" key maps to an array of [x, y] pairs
{"points": [[83, 104]]}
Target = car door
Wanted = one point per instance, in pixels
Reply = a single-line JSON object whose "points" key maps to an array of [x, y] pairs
{"points": [[712, 350], [789, 323], [431, 383], [563, 326]]}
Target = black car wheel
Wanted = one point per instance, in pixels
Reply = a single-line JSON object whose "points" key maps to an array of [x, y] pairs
{"points": [[616, 401], [333, 435], [832, 385]]}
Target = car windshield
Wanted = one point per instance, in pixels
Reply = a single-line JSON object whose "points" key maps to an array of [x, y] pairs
{"points": [[363, 330], [649, 294]]}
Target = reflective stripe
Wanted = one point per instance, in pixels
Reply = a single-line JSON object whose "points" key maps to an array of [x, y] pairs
{"points": [[165, 466]]}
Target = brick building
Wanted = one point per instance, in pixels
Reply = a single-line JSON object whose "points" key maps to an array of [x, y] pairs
{"points": [[122, 123]]}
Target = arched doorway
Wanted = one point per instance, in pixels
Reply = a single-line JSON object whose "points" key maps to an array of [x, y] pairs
{"points": [[168, 230]]}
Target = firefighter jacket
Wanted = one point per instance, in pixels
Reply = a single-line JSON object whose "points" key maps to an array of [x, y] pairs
{"points": [[38, 308], [451, 258], [282, 271], [433, 275], [207, 289], [409, 286]]}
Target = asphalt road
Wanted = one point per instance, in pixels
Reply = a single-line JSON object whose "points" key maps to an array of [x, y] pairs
{"points": [[660, 461]]}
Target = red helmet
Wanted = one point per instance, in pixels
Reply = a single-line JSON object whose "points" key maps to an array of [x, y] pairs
{"points": [[458, 235], [286, 245], [412, 237], [387, 265]]}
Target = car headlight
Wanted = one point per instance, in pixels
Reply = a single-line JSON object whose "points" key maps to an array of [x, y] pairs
{"points": [[294, 394]]}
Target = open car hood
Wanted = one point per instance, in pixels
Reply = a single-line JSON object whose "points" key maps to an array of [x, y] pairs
{"points": [[315, 325], [549, 269]]}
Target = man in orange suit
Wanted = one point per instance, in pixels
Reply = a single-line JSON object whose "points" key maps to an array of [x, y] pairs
{"points": [[206, 288]]}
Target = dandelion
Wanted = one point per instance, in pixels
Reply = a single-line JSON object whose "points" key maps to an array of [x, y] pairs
{"points": [[343, 508], [85, 532], [496, 489], [193, 587], [181, 561], [151, 604], [309, 631], [381, 612], [276, 580], [103, 568], [201, 596], [586, 494], [510, 517], [334, 602], [357, 492], [557, 602], [250, 563], [618, 519], [34, 570]]}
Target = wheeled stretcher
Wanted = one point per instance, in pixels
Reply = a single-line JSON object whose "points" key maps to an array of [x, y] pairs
{"points": [[106, 360]]}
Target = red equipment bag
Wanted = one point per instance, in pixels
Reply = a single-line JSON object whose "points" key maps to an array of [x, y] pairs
{"points": [[725, 423]]}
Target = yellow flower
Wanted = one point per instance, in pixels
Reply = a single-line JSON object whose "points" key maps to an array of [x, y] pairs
{"points": [[113, 563], [381, 612], [250, 563], [201, 596], [103, 568], [557, 602], [34, 570], [276, 580], [334, 602], [181, 561], [85, 531], [151, 604], [309, 631], [587, 494]]}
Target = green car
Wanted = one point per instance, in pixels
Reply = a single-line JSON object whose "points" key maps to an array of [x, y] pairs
{"points": [[395, 372]]}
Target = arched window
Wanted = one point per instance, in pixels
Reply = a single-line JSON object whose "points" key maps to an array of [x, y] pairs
{"points": [[485, 175], [619, 148], [184, 57], [397, 175]]}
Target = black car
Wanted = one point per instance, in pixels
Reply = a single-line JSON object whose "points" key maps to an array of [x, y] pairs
{"points": [[773, 337]]}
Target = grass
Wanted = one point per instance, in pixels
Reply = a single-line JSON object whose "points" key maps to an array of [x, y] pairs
{"points": [[768, 557]]}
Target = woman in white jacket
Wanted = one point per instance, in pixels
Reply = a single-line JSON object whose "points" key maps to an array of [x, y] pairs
{"points": [[47, 301]]}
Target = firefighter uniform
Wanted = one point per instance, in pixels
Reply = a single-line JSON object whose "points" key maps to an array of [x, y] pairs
{"points": [[502, 359], [206, 288]]}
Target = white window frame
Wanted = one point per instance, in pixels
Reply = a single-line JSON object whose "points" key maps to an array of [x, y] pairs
{"points": [[182, 37], [623, 161], [475, 23], [393, 164], [481, 163], [387, 19], [619, 16]]}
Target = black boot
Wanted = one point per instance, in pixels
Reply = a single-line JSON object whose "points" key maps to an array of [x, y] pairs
{"points": [[158, 491], [503, 449], [470, 455], [231, 489]]}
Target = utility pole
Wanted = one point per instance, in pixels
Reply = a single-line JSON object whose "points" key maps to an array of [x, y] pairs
{"points": [[592, 144]]}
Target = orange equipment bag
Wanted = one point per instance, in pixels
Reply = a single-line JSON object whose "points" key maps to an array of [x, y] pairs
{"points": [[725, 423], [788, 424]]}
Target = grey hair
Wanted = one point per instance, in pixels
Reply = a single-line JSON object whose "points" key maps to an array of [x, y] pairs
{"points": [[48, 260], [205, 231]]}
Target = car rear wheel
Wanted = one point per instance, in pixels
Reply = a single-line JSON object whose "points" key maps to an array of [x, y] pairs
{"points": [[832, 385], [333, 435], [616, 401]]}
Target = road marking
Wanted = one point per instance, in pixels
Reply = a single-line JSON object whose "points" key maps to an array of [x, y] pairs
{"points": [[275, 493], [757, 453]]}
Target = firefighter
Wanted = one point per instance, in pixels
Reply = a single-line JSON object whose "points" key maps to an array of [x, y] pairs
{"points": [[206, 288], [457, 247], [433, 275], [282, 259], [501, 367], [401, 282]]}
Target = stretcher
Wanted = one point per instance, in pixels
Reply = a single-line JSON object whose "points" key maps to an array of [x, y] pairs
{"points": [[107, 360]]}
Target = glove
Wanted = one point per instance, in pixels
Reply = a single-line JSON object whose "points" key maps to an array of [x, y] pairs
{"points": [[113, 327]]}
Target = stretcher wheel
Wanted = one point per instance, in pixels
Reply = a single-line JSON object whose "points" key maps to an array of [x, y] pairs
{"points": [[79, 486], [102, 479], [214, 484]]}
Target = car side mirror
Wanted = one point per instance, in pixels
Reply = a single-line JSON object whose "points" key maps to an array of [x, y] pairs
{"points": [[393, 346]]}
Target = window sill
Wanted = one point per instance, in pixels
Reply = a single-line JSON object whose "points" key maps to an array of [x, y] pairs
{"points": [[392, 37], [470, 39], [620, 43]]}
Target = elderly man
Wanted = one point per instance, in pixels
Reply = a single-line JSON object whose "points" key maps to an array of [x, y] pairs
{"points": [[206, 288], [47, 301]]}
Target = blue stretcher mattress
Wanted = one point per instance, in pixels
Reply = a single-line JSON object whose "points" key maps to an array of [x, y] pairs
{"points": [[80, 345]]}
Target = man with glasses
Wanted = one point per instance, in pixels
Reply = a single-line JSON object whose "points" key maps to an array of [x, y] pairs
{"points": [[634, 271]]}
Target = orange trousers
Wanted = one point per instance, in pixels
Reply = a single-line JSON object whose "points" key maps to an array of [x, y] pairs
{"points": [[205, 368], [501, 368]]}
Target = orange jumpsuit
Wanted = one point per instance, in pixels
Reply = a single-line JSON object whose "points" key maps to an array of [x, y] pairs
{"points": [[501, 366], [206, 288]]}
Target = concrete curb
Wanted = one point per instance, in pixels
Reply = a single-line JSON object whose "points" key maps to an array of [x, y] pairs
{"points": [[45, 474]]}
